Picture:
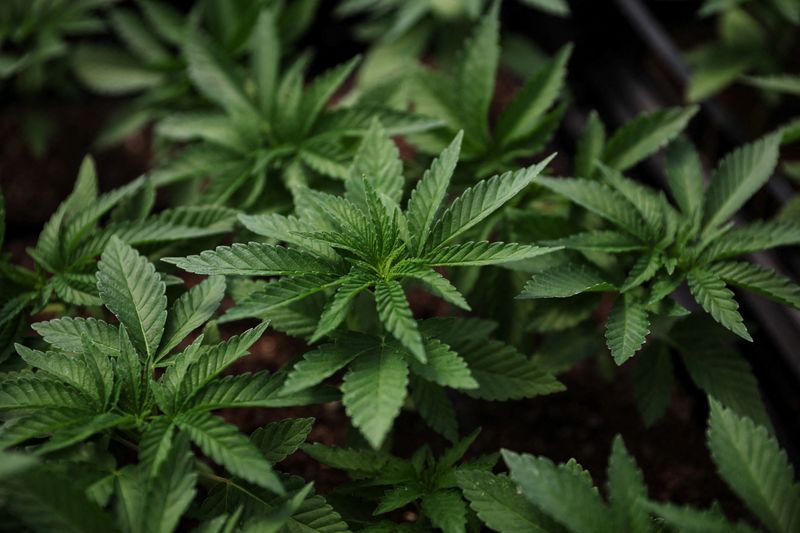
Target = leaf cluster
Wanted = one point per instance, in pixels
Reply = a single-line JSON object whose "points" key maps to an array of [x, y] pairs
{"points": [[754, 45], [563, 498], [281, 126], [383, 483], [692, 241], [132, 384], [462, 94], [363, 245], [150, 60], [34, 38], [76, 234]]}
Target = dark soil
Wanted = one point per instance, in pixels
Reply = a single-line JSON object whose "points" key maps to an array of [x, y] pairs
{"points": [[33, 187]]}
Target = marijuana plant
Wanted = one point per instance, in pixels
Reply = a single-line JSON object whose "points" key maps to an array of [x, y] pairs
{"points": [[462, 98], [100, 379], [150, 63], [34, 56], [362, 245], [33, 37], [382, 483], [67, 247], [555, 497], [694, 243], [281, 126], [756, 43]]}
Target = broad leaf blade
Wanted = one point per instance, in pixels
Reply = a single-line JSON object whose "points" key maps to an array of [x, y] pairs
{"points": [[714, 296], [373, 391], [252, 259], [132, 289], [190, 311], [565, 492], [395, 314], [737, 177], [644, 135], [754, 466], [224, 444], [627, 328]]}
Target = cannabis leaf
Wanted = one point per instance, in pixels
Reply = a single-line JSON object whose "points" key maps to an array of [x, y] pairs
{"points": [[281, 126], [751, 462], [661, 246], [429, 482], [462, 99], [73, 236], [98, 378], [363, 246]]}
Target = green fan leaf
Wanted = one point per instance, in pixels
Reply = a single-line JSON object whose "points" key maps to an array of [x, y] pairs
{"points": [[737, 177], [710, 291], [374, 390], [443, 367], [70, 370], [50, 501], [27, 392], [435, 408], [652, 382], [690, 520], [626, 489], [252, 259], [480, 201], [644, 135], [627, 328], [763, 281], [378, 162], [685, 177], [212, 362], [522, 116], [427, 197], [754, 466], [482, 253], [503, 373], [265, 59], [446, 510], [280, 439], [590, 146], [602, 200], [155, 445], [563, 281], [132, 289], [565, 492], [719, 370], [395, 314], [607, 241], [336, 311], [214, 77], [321, 363], [436, 283], [224, 444], [476, 74], [320, 91], [278, 294], [499, 504], [190, 311], [754, 237], [172, 490]]}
